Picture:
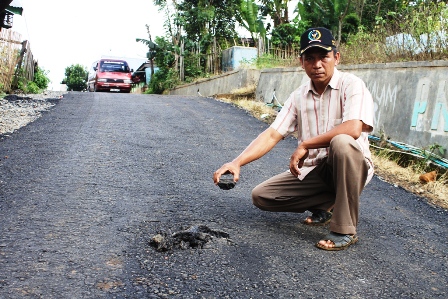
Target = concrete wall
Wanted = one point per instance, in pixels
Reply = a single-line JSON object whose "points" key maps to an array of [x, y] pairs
{"points": [[220, 84], [411, 99]]}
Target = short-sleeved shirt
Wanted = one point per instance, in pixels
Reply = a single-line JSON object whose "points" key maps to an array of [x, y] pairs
{"points": [[310, 114]]}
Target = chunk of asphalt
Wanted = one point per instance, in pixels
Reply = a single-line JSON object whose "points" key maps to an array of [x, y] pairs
{"points": [[192, 237], [226, 183]]}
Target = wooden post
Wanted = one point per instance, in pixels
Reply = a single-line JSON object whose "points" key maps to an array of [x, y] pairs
{"points": [[18, 70]]}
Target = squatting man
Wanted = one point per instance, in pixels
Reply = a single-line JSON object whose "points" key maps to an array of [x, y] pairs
{"points": [[332, 114]]}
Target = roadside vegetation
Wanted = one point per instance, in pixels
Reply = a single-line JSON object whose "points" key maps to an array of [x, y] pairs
{"points": [[366, 31], [38, 85], [75, 77], [414, 173]]}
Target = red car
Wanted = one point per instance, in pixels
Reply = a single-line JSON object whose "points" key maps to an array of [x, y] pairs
{"points": [[110, 75]]}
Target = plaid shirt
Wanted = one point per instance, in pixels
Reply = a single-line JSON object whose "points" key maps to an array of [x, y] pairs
{"points": [[310, 114]]}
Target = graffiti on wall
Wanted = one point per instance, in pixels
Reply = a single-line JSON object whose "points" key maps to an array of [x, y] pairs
{"points": [[433, 120], [425, 117], [384, 96]]}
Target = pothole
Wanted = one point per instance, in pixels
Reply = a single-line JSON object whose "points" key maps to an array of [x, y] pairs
{"points": [[191, 237]]}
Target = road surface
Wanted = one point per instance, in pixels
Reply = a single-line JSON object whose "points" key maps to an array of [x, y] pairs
{"points": [[88, 186]]}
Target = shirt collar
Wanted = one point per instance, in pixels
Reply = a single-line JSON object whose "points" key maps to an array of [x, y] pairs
{"points": [[334, 82]]}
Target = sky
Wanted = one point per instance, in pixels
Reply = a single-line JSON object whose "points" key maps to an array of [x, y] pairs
{"points": [[64, 33]]}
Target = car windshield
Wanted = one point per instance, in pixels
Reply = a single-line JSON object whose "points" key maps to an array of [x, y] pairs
{"points": [[114, 66]]}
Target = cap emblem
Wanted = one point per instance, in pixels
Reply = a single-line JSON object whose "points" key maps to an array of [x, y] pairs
{"points": [[314, 36]]}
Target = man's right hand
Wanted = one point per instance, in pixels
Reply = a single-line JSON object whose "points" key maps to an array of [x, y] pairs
{"points": [[255, 150], [230, 167]]}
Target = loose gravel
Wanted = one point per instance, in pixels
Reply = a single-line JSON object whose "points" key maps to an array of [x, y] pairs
{"points": [[17, 111]]}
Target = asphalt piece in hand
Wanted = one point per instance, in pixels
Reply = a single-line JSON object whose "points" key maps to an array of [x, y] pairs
{"points": [[226, 183]]}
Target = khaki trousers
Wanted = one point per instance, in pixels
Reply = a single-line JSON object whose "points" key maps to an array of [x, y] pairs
{"points": [[337, 182]]}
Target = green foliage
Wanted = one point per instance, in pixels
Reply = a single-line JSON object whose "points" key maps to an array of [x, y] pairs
{"points": [[203, 21], [76, 77], [166, 76], [206, 27], [38, 85], [277, 10], [165, 57], [436, 149], [33, 88], [270, 61], [285, 35], [319, 13], [152, 47], [251, 19], [40, 79], [421, 28], [162, 80], [350, 26]]}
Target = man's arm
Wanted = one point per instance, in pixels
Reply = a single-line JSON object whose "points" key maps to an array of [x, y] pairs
{"points": [[255, 150], [351, 127]]}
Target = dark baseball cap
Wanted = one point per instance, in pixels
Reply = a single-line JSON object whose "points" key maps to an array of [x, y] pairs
{"points": [[317, 37]]}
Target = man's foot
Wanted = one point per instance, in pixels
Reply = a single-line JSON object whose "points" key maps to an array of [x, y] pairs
{"points": [[318, 218], [335, 241]]}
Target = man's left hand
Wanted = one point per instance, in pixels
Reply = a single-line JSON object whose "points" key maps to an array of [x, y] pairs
{"points": [[297, 159]]}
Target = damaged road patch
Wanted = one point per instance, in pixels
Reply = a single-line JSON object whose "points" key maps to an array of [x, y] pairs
{"points": [[191, 237]]}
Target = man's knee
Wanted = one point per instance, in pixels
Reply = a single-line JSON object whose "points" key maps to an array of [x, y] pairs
{"points": [[256, 197], [341, 141], [345, 145], [259, 198]]}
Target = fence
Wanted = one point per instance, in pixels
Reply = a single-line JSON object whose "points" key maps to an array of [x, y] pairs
{"points": [[16, 60], [286, 53]]}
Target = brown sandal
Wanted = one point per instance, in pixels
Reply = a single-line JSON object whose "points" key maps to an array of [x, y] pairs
{"points": [[319, 218], [340, 241]]}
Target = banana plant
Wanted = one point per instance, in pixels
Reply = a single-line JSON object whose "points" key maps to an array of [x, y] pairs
{"points": [[251, 19]]}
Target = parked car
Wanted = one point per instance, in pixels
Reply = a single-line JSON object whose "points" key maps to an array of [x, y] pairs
{"points": [[110, 75]]}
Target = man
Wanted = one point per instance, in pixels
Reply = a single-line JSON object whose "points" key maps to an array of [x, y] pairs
{"points": [[332, 114]]}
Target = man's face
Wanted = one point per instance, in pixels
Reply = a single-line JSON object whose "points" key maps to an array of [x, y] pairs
{"points": [[319, 64]]}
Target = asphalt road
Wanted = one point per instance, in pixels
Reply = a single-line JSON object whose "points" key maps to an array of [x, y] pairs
{"points": [[86, 187]]}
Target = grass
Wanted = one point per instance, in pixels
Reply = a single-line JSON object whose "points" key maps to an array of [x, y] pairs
{"points": [[390, 166]]}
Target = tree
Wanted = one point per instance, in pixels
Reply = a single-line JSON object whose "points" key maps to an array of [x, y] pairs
{"points": [[210, 23], [285, 35], [369, 10], [277, 9], [251, 19], [206, 26], [76, 77], [152, 49], [166, 77], [328, 13]]}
